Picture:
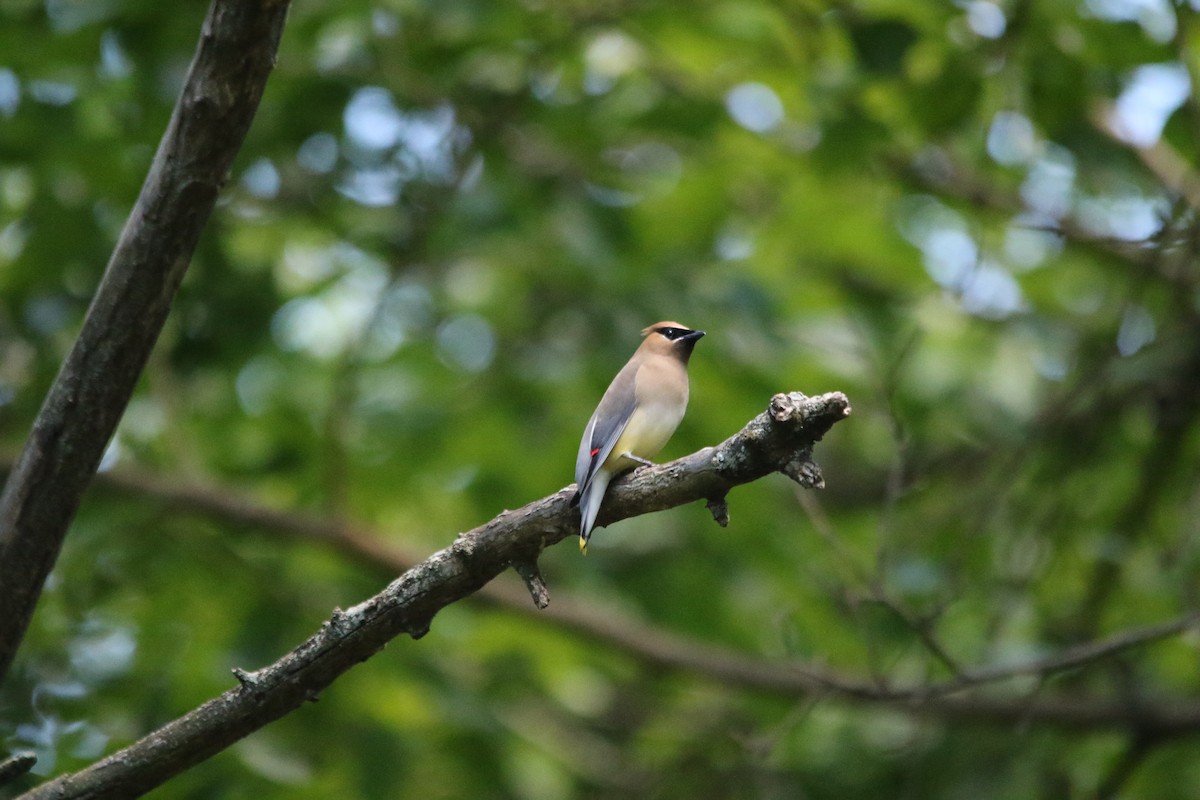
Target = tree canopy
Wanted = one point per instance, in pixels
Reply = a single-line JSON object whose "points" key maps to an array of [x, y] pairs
{"points": [[437, 244]]}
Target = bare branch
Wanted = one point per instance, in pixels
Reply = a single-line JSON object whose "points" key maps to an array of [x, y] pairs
{"points": [[409, 603], [15, 766], [1072, 658], [233, 59], [947, 701], [647, 642], [534, 582]]}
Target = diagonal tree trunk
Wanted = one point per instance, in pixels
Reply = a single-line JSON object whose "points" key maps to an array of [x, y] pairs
{"points": [[219, 98]]}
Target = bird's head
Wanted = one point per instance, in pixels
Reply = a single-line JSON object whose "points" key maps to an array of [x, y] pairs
{"points": [[671, 338]]}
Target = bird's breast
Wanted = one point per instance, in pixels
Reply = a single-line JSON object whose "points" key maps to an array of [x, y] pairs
{"points": [[648, 430]]}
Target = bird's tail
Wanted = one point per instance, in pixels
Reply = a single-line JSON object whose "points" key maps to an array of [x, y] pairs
{"points": [[589, 505]]}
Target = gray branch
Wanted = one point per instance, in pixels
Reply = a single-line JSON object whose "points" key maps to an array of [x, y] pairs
{"points": [[15, 766], [952, 699], [220, 95], [782, 436]]}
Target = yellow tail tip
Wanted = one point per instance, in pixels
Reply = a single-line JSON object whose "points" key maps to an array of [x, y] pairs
{"points": [[583, 545]]}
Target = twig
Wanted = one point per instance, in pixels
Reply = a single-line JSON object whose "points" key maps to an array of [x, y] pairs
{"points": [[872, 583], [15, 766], [1072, 658], [534, 582]]}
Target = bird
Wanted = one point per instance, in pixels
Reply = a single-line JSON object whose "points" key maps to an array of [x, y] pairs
{"points": [[639, 411]]}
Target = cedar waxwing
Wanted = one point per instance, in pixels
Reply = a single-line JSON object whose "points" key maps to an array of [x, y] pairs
{"points": [[637, 415]]}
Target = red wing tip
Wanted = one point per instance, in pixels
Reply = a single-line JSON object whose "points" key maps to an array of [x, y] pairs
{"points": [[597, 450]]}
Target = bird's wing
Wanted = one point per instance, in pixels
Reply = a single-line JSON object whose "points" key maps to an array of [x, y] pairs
{"points": [[606, 425]]}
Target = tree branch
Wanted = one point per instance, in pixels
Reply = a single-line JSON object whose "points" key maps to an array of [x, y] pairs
{"points": [[15, 766], [658, 647], [662, 648], [775, 441], [233, 59]]}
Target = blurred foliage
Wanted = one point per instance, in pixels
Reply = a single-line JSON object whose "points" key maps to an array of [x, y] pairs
{"points": [[446, 228]]}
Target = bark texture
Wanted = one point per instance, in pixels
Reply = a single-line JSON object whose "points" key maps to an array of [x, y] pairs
{"points": [[219, 98]]}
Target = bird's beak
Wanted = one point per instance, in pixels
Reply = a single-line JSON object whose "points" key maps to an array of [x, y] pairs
{"points": [[691, 337]]}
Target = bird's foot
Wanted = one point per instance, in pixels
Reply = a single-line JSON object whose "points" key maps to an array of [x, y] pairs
{"points": [[645, 462]]}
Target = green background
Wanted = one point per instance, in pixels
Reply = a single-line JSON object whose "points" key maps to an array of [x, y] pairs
{"points": [[446, 228]]}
